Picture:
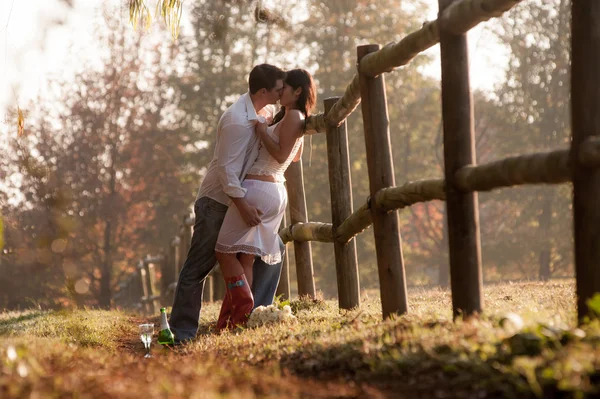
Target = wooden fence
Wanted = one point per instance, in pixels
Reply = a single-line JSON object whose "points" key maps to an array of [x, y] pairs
{"points": [[462, 177], [154, 282]]}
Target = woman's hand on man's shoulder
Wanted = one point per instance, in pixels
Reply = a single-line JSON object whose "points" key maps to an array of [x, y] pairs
{"points": [[261, 127]]}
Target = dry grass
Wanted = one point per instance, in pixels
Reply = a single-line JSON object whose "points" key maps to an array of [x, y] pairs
{"points": [[326, 353]]}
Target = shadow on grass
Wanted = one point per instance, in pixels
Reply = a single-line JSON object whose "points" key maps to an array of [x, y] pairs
{"points": [[421, 373], [19, 322]]}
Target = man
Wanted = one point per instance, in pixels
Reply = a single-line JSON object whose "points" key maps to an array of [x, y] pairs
{"points": [[236, 149]]}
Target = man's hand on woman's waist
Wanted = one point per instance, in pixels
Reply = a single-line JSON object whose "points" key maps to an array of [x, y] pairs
{"points": [[249, 213]]}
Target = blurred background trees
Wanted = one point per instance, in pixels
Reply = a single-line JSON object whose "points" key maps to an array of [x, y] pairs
{"points": [[113, 156], [101, 172]]}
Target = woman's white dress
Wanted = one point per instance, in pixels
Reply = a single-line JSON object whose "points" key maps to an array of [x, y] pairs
{"points": [[269, 198]]}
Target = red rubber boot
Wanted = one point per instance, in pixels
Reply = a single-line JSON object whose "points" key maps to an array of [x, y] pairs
{"points": [[225, 314], [242, 300]]}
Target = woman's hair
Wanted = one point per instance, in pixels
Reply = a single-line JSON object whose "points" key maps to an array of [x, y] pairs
{"points": [[308, 97]]}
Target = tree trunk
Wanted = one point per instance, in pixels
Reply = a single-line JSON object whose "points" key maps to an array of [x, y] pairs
{"points": [[106, 277], [459, 150], [104, 300]]}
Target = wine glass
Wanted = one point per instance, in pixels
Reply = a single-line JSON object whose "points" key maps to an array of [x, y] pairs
{"points": [[146, 332]]}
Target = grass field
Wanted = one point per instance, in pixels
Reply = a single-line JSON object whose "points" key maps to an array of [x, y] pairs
{"points": [[324, 353]]}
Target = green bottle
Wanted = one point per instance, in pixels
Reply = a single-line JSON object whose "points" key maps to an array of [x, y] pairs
{"points": [[165, 336]]}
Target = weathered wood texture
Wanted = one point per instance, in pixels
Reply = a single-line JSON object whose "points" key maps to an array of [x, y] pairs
{"points": [[218, 284], [207, 291], [283, 289], [459, 150], [166, 276], [585, 119], [388, 244], [544, 167], [153, 298], [298, 213], [386, 199], [340, 186], [145, 290]]}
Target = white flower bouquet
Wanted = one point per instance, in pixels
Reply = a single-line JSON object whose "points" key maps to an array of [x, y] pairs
{"points": [[271, 314]]}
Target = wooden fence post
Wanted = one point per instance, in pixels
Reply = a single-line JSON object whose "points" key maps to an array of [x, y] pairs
{"points": [[388, 243], [585, 120], [144, 282], [207, 292], [137, 291], [340, 185], [283, 289], [444, 267], [166, 276], [126, 302], [298, 213], [459, 150], [153, 298], [218, 284], [174, 259], [172, 274], [126, 290]]}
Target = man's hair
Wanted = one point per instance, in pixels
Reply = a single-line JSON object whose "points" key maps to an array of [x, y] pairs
{"points": [[264, 76]]}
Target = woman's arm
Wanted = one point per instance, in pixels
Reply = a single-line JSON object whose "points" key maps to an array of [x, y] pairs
{"points": [[290, 128]]}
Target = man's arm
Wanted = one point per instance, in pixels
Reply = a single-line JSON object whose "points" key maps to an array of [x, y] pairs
{"points": [[230, 160]]}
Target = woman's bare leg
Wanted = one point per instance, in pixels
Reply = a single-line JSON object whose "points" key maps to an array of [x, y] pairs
{"points": [[247, 262], [230, 265]]}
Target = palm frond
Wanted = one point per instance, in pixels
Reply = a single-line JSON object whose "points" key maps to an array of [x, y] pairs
{"points": [[139, 12], [170, 11], [20, 122]]}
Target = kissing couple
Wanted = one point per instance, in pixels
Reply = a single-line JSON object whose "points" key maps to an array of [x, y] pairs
{"points": [[242, 199]]}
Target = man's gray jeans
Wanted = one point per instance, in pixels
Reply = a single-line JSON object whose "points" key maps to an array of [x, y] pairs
{"points": [[200, 262]]}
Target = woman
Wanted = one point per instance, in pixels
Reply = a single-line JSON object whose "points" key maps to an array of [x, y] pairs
{"points": [[238, 244]]}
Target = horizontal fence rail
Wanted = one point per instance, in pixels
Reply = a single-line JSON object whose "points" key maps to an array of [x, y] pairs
{"points": [[543, 167], [538, 168], [387, 199], [458, 18]]}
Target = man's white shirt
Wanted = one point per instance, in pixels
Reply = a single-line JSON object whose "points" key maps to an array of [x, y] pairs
{"points": [[236, 150]]}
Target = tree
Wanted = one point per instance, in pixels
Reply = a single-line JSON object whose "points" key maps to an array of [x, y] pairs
{"points": [[536, 98], [106, 162]]}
